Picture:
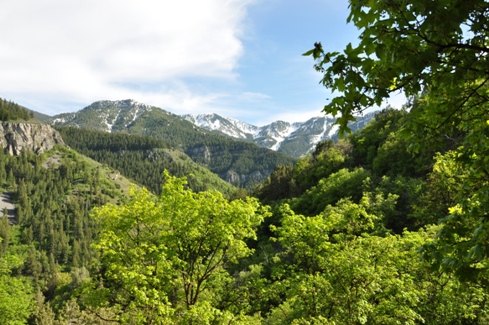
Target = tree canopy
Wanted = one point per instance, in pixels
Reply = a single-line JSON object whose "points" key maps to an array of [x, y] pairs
{"points": [[12, 111], [162, 256], [436, 47], [435, 52]]}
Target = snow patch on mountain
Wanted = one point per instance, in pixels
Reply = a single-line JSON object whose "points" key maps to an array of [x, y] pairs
{"points": [[111, 125], [315, 139], [302, 136], [136, 111], [243, 126], [231, 127], [279, 137], [59, 120]]}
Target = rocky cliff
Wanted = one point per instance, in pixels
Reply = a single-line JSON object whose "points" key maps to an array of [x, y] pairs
{"points": [[31, 136]]}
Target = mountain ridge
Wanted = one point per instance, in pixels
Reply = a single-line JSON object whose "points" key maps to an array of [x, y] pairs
{"points": [[242, 163], [291, 138], [295, 139]]}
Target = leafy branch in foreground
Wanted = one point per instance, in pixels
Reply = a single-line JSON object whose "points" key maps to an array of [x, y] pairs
{"points": [[435, 52], [437, 47]]}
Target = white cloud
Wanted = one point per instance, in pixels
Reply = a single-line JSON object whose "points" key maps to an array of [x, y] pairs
{"points": [[80, 51], [254, 97]]}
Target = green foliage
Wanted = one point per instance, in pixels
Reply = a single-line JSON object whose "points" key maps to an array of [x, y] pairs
{"points": [[16, 299], [461, 243], [289, 182], [10, 111], [49, 232], [381, 147], [330, 190], [408, 192], [277, 185], [373, 160], [333, 270], [440, 192], [142, 158], [435, 52], [327, 159], [336, 254], [4, 234], [162, 256], [414, 46]]}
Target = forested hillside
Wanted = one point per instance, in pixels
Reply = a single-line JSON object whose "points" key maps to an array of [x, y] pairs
{"points": [[10, 111], [142, 159], [243, 164], [341, 244], [338, 242], [47, 243]]}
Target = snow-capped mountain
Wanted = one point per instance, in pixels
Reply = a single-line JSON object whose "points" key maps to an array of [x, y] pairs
{"points": [[228, 126], [295, 139], [105, 115], [241, 163]]}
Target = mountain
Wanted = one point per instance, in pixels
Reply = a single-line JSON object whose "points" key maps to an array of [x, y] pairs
{"points": [[143, 159], [239, 162], [294, 139]]}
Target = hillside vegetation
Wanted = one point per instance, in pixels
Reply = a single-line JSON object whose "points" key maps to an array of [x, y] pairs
{"points": [[10, 111], [49, 235], [243, 164], [343, 236], [386, 226], [142, 159]]}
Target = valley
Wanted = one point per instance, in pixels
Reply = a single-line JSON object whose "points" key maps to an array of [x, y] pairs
{"points": [[125, 222]]}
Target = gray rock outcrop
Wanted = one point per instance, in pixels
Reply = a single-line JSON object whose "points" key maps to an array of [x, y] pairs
{"points": [[30, 136], [201, 152], [237, 179]]}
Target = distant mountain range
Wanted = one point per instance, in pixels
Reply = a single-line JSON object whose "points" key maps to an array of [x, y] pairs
{"points": [[240, 153], [294, 139], [241, 163]]}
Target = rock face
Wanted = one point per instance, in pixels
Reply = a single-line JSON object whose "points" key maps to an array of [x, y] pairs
{"points": [[237, 179], [36, 137], [201, 152]]}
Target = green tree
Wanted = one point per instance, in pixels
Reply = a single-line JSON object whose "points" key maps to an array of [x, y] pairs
{"points": [[333, 269], [435, 52], [343, 183], [411, 45], [16, 298], [161, 255], [4, 233]]}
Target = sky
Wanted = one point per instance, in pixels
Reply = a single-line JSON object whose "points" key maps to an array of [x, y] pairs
{"points": [[236, 58]]}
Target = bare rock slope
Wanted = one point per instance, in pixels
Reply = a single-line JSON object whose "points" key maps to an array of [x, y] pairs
{"points": [[32, 136]]}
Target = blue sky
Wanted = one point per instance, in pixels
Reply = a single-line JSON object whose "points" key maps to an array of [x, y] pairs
{"points": [[237, 58]]}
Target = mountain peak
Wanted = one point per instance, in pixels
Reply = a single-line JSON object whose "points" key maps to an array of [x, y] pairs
{"points": [[120, 104], [107, 115], [295, 139], [228, 126]]}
